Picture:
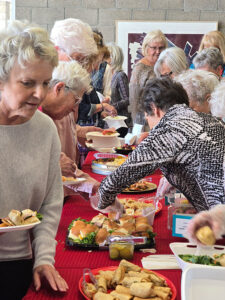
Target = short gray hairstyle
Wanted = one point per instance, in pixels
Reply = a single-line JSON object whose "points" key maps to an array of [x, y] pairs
{"points": [[73, 75], [24, 45], [198, 84], [209, 56], [155, 35], [116, 55], [73, 35], [217, 101], [174, 58]]}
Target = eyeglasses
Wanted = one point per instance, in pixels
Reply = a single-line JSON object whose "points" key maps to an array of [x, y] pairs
{"points": [[166, 74], [157, 48], [77, 99]]}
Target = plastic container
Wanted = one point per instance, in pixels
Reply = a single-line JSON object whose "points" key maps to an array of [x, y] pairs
{"points": [[187, 248], [121, 248], [206, 285]]}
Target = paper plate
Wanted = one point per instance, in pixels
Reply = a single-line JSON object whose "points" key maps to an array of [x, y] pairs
{"points": [[18, 227], [74, 182], [112, 268], [152, 187]]}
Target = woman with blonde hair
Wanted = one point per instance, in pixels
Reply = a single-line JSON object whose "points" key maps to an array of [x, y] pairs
{"points": [[213, 39], [153, 44]]}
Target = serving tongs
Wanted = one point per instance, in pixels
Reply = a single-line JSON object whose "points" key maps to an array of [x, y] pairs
{"points": [[136, 240], [88, 272]]}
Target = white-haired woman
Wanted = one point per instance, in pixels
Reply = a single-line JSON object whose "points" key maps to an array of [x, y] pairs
{"points": [[199, 86], [69, 82], [171, 62], [153, 44], [210, 59], [119, 84], [217, 101], [30, 171]]}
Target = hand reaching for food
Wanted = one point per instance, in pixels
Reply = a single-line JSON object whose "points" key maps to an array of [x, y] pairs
{"points": [[110, 110], [207, 226], [68, 167], [164, 188]]}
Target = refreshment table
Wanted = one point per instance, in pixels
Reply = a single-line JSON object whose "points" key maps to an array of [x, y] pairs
{"points": [[71, 262]]}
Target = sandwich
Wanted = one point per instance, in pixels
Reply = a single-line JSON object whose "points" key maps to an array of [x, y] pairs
{"points": [[98, 220], [101, 236], [89, 228]]}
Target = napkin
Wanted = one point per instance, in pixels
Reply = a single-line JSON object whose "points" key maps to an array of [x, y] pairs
{"points": [[160, 262]]}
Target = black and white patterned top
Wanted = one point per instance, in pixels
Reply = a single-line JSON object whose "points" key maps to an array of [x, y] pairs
{"points": [[189, 149]]}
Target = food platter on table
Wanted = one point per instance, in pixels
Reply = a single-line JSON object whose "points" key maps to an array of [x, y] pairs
{"points": [[107, 165], [134, 206], [95, 234], [163, 281], [140, 187]]}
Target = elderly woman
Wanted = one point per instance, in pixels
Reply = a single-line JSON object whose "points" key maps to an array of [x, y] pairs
{"points": [[182, 143], [199, 86], [30, 171], [210, 59], [119, 84], [171, 62], [69, 82], [153, 44]]}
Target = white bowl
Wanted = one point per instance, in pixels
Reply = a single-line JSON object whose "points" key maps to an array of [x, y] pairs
{"points": [[207, 285], [187, 248], [103, 141]]}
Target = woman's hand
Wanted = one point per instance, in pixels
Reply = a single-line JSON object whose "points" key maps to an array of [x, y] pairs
{"points": [[51, 275], [164, 187], [109, 109], [214, 218], [68, 167], [106, 100]]}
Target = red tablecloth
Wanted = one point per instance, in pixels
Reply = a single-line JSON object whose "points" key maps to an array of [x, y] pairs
{"points": [[71, 262]]}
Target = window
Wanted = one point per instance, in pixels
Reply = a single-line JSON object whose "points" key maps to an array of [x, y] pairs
{"points": [[7, 12]]}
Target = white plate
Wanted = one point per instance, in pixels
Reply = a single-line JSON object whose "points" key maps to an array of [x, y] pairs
{"points": [[117, 118], [19, 227], [207, 285], [103, 150], [187, 248], [74, 182]]}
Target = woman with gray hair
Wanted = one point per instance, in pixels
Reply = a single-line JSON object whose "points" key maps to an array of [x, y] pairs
{"points": [[153, 44], [171, 62], [217, 101], [119, 84], [210, 59], [199, 86], [69, 82], [29, 143]]}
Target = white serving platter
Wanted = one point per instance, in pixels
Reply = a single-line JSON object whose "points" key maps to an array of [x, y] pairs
{"points": [[198, 284], [188, 248]]}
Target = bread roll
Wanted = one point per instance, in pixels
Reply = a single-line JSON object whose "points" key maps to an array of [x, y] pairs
{"points": [[102, 296], [119, 296], [101, 236], [122, 290], [206, 236], [31, 220], [129, 266], [141, 289], [118, 275], [89, 290]]}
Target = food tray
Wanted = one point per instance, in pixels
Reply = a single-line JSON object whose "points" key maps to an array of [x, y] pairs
{"points": [[206, 285], [102, 168], [112, 268], [150, 244], [187, 248], [107, 155]]}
